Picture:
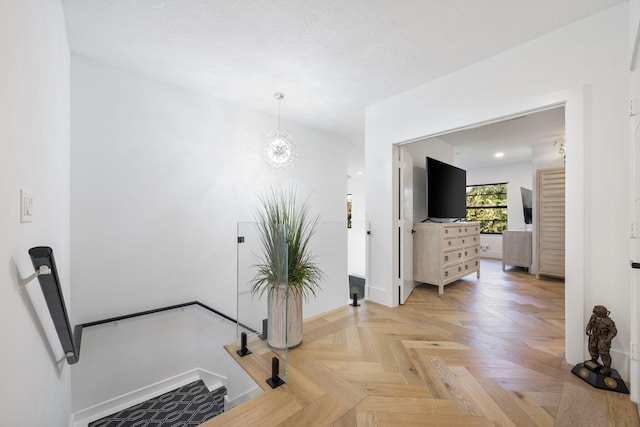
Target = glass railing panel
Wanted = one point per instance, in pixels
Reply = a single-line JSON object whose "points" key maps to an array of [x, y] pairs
{"points": [[329, 251], [251, 311], [262, 288]]}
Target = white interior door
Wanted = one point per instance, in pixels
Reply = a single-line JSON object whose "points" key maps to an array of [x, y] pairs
{"points": [[634, 127], [405, 225], [634, 316]]}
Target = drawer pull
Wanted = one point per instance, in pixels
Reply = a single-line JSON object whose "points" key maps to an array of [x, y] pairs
{"points": [[446, 257], [465, 253], [459, 254], [459, 268], [446, 274]]}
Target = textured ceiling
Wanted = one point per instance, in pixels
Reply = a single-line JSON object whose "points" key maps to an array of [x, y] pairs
{"points": [[331, 58]]}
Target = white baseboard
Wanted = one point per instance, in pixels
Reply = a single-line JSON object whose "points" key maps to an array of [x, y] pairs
{"points": [[376, 294], [232, 403], [491, 254], [83, 417], [620, 361]]}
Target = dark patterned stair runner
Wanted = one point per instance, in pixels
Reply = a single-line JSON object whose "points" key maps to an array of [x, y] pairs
{"points": [[187, 406]]}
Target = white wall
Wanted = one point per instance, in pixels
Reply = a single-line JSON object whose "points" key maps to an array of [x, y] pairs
{"points": [[434, 147], [583, 66], [135, 353], [545, 156], [34, 155], [516, 175], [160, 177]]}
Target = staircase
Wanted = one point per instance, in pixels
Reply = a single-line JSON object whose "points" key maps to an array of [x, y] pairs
{"points": [[187, 406]]}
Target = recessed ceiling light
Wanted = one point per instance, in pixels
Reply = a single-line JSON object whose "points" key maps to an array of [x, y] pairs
{"points": [[499, 154]]}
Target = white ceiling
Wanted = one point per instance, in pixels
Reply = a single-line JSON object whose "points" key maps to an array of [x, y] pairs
{"points": [[515, 137], [331, 58]]}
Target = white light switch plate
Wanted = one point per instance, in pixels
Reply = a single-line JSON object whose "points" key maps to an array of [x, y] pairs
{"points": [[26, 206]]}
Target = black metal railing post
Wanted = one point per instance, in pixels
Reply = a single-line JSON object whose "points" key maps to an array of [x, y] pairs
{"points": [[275, 381]]}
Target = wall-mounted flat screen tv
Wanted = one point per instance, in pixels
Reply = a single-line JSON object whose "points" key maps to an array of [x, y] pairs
{"points": [[527, 204], [446, 190]]}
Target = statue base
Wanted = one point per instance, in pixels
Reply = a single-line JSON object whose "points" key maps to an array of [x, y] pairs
{"points": [[589, 372]]}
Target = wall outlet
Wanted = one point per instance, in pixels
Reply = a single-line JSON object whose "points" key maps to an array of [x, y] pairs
{"points": [[635, 351]]}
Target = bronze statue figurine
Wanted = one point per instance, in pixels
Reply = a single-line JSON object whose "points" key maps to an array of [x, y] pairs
{"points": [[601, 330]]}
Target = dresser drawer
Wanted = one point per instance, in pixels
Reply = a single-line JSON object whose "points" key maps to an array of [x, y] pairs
{"points": [[460, 230], [470, 230], [470, 252], [471, 265], [453, 272], [453, 230], [450, 257], [451, 243], [467, 241]]}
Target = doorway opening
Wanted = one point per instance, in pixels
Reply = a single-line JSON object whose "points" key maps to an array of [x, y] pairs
{"points": [[529, 141]]}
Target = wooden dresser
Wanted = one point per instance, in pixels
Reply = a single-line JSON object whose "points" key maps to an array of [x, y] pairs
{"points": [[443, 253]]}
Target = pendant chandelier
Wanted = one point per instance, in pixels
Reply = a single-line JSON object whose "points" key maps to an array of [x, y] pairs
{"points": [[280, 149]]}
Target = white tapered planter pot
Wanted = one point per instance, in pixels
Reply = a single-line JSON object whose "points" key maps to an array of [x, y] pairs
{"points": [[279, 324]]}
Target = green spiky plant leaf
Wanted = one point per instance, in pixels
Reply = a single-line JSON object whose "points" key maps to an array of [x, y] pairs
{"points": [[285, 228]]}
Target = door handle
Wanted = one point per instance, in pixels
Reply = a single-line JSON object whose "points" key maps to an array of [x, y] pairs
{"points": [[635, 264]]}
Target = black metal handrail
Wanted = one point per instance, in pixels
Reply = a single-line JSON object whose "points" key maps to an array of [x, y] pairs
{"points": [[44, 263], [161, 309]]}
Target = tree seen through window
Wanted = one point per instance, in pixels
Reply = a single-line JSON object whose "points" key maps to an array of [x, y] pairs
{"points": [[487, 204]]}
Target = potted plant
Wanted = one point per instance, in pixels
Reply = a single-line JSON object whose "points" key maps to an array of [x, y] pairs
{"points": [[286, 269]]}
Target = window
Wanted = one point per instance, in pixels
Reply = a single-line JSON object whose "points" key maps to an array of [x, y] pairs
{"points": [[487, 204]]}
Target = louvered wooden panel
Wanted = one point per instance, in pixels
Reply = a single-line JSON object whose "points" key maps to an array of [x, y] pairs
{"points": [[550, 222]]}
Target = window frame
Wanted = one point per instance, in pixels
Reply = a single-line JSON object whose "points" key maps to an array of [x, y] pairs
{"points": [[505, 207]]}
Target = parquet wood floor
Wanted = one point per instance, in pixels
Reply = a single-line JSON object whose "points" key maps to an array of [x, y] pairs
{"points": [[489, 352]]}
